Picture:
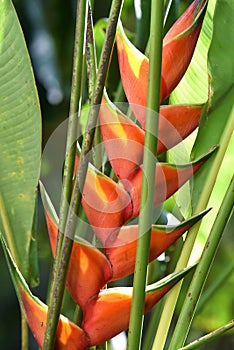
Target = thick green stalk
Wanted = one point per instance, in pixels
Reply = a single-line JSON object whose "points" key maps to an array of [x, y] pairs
{"points": [[148, 178], [208, 337], [189, 306], [172, 296], [55, 298]]}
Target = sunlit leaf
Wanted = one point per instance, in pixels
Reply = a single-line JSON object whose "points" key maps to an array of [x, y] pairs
{"points": [[194, 85], [221, 72]]}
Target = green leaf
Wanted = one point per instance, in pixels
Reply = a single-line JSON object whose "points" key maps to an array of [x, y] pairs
{"points": [[194, 85], [20, 139], [168, 280], [217, 121]]}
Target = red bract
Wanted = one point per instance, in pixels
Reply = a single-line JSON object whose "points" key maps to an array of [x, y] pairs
{"points": [[124, 140], [178, 48], [68, 336], [108, 314]]}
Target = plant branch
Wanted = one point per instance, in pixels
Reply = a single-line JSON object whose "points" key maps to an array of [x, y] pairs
{"points": [[24, 330], [208, 337], [148, 177]]}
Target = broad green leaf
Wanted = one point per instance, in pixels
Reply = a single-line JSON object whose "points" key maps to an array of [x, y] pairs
{"points": [[218, 117], [194, 85], [20, 139]]}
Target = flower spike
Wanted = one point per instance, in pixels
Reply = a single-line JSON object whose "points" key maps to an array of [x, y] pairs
{"points": [[134, 66]]}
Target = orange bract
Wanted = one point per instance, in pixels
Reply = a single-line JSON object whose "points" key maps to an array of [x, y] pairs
{"points": [[178, 48]]}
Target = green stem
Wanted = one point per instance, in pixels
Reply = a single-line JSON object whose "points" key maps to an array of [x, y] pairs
{"points": [[55, 297], [189, 306], [209, 337], [91, 58], [172, 296], [58, 282], [148, 177], [24, 331]]}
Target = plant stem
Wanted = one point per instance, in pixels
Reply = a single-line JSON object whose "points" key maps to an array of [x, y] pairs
{"points": [[91, 58], [24, 331], [209, 337], [73, 210], [189, 306], [184, 258], [55, 297], [92, 74], [148, 176]]}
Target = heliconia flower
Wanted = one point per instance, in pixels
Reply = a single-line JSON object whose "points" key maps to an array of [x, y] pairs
{"points": [[124, 140], [121, 247], [108, 314], [105, 315], [89, 270], [68, 336], [178, 47]]}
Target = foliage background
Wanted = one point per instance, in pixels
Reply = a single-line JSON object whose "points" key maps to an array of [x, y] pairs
{"points": [[48, 28]]}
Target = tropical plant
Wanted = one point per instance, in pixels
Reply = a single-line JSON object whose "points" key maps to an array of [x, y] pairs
{"points": [[121, 176]]}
